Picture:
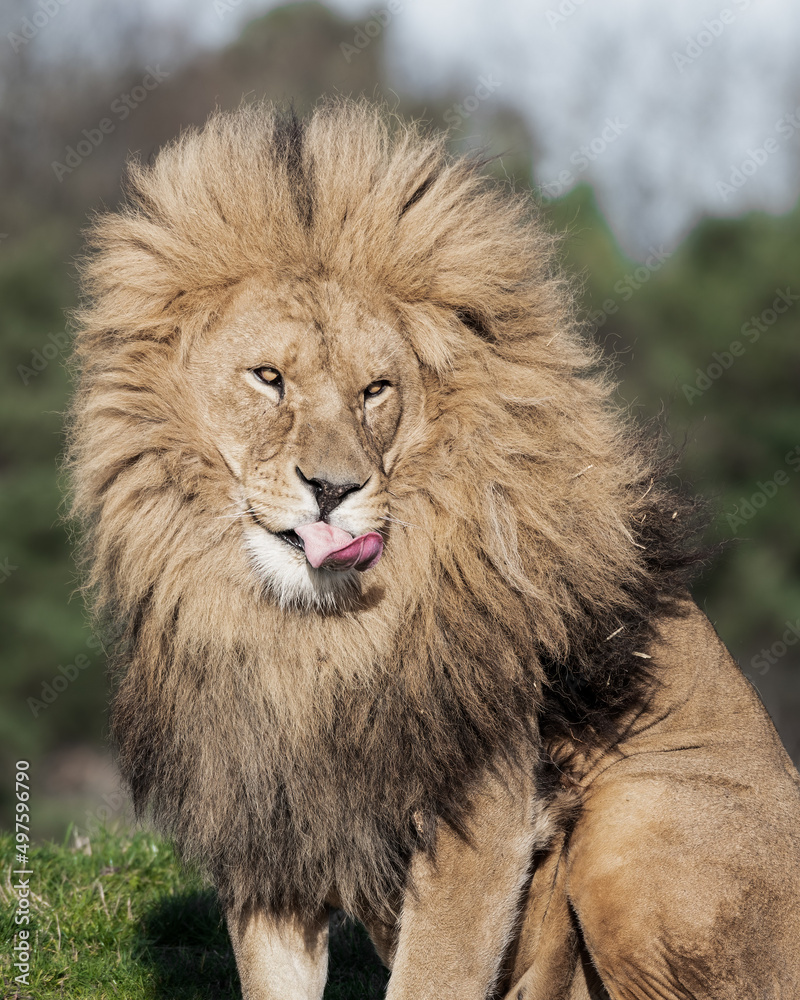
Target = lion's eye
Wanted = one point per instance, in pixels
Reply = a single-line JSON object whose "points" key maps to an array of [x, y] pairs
{"points": [[269, 376], [375, 388]]}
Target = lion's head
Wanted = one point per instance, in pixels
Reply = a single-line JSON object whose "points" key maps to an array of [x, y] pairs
{"points": [[310, 396], [353, 491]]}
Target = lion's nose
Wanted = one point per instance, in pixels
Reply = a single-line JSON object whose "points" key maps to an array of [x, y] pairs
{"points": [[328, 495]]}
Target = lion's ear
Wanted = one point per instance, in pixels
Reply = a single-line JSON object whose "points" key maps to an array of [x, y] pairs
{"points": [[133, 287], [434, 334]]}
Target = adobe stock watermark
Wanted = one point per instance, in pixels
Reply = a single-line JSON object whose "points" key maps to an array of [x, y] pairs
{"points": [[458, 113], [582, 157], [121, 107], [712, 28], [751, 330], [31, 26], [785, 128], [747, 507], [21, 890], [41, 357], [365, 33], [97, 819], [628, 285], [562, 12], [767, 658], [6, 569], [223, 7], [62, 679]]}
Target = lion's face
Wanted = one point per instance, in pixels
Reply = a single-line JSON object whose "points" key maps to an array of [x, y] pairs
{"points": [[306, 394]]}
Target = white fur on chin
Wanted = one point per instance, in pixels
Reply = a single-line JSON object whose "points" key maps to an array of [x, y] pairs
{"points": [[292, 581]]}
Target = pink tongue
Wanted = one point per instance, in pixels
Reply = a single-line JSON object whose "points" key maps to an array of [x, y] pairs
{"points": [[335, 548]]}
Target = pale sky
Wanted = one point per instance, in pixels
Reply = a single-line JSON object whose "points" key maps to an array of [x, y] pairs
{"points": [[672, 109], [684, 123]]}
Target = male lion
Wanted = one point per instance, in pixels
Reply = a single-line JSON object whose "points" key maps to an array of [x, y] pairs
{"points": [[401, 602]]}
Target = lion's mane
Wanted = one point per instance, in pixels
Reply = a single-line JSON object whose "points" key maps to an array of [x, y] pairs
{"points": [[533, 547]]}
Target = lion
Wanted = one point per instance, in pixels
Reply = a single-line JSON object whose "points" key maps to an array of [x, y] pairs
{"points": [[400, 592]]}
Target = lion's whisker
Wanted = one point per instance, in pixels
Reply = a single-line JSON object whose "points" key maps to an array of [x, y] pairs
{"points": [[396, 520]]}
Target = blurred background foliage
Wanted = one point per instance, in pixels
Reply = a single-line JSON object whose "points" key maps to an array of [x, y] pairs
{"points": [[661, 319]]}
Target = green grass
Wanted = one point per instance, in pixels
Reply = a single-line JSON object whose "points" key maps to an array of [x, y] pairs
{"points": [[126, 921]]}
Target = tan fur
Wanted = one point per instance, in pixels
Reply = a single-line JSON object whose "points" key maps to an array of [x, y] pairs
{"points": [[683, 870], [505, 834], [311, 736]]}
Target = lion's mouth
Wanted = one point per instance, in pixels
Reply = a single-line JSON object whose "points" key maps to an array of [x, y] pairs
{"points": [[328, 547], [291, 538]]}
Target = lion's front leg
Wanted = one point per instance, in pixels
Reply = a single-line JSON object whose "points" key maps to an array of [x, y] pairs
{"points": [[279, 958], [461, 908]]}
